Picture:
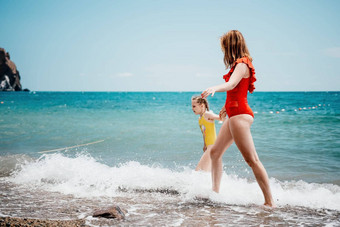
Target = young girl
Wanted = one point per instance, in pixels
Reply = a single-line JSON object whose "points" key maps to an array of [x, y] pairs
{"points": [[206, 122], [239, 80]]}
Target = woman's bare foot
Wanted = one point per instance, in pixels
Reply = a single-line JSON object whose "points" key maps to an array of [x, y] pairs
{"points": [[269, 205]]}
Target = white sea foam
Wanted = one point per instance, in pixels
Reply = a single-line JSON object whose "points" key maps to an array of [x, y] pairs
{"points": [[9, 163], [83, 176]]}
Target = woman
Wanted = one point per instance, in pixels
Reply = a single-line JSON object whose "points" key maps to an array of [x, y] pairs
{"points": [[236, 128]]}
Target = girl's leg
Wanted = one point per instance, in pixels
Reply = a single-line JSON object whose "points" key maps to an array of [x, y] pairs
{"points": [[223, 141], [240, 129], [205, 162]]}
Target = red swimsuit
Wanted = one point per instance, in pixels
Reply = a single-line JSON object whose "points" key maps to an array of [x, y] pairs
{"points": [[236, 102]]}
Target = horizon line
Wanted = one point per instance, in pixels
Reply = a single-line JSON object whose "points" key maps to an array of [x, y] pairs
{"points": [[157, 91]]}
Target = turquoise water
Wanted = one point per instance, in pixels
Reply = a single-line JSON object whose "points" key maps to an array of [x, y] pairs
{"points": [[151, 140], [160, 128]]}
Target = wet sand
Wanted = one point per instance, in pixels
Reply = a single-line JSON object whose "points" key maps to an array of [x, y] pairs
{"points": [[29, 206], [10, 221]]}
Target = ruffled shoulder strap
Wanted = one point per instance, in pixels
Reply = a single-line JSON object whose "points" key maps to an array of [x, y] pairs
{"points": [[252, 77]]}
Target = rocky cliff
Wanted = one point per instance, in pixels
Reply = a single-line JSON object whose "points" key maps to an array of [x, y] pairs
{"points": [[9, 74]]}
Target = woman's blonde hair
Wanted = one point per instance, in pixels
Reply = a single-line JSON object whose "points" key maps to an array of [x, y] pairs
{"points": [[201, 100], [234, 47]]}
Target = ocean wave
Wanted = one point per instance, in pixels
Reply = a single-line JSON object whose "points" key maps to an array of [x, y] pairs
{"points": [[84, 176], [10, 163]]}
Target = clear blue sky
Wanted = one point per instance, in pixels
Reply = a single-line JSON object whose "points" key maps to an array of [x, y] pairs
{"points": [[164, 45]]}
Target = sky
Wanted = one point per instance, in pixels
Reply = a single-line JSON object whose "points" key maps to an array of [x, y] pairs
{"points": [[163, 45]]}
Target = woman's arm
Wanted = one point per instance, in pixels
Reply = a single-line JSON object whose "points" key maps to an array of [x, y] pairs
{"points": [[241, 71]]}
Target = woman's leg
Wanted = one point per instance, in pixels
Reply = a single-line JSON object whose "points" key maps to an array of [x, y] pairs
{"points": [[240, 130], [223, 141], [205, 162]]}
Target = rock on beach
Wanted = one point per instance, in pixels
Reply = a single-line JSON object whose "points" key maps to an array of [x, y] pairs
{"points": [[111, 212]]}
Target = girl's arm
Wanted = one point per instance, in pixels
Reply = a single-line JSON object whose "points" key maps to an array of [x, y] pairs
{"points": [[211, 116], [204, 146], [241, 70], [223, 113]]}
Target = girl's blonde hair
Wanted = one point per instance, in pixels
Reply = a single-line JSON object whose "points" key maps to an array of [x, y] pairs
{"points": [[234, 47], [201, 100]]}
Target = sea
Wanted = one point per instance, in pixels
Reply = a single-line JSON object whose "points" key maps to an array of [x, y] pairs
{"points": [[64, 155]]}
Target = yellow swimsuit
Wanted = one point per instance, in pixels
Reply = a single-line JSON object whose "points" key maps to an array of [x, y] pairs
{"points": [[208, 130]]}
